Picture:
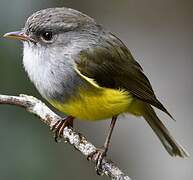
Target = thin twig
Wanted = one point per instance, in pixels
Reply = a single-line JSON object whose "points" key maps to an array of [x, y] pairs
{"points": [[35, 106]]}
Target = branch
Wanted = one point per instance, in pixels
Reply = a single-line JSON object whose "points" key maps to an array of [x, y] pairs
{"points": [[48, 117]]}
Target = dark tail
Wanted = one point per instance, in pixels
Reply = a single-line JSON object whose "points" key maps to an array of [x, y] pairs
{"points": [[170, 144]]}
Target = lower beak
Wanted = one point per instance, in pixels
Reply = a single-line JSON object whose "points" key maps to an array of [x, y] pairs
{"points": [[19, 35]]}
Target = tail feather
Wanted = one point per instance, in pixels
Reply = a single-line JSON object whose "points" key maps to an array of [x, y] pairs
{"points": [[170, 144]]}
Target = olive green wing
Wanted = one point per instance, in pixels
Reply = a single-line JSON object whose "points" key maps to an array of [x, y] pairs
{"points": [[111, 65]]}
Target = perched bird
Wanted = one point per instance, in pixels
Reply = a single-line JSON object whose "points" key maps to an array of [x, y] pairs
{"points": [[86, 72]]}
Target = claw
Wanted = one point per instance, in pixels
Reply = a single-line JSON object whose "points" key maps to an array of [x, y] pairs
{"points": [[98, 156], [59, 126]]}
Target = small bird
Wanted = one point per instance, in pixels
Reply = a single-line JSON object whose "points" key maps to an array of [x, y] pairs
{"points": [[86, 72]]}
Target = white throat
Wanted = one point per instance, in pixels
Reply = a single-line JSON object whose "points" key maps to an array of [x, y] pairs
{"points": [[52, 72], [36, 67]]}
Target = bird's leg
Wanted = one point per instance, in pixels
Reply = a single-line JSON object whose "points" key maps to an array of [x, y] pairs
{"points": [[100, 153], [59, 126]]}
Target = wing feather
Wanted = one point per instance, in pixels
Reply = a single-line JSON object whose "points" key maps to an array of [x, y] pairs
{"points": [[111, 65]]}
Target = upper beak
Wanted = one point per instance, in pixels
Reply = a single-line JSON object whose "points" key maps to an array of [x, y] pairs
{"points": [[18, 35]]}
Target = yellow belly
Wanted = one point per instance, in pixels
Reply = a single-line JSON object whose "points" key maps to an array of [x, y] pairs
{"points": [[98, 104]]}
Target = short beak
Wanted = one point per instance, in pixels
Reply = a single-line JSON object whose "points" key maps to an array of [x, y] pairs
{"points": [[19, 35]]}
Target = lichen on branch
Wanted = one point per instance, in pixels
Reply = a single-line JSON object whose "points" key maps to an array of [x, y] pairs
{"points": [[47, 116]]}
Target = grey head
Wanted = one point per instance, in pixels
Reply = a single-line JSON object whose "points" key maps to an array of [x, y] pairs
{"points": [[56, 21], [54, 37]]}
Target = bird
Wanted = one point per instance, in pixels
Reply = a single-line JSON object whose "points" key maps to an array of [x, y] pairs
{"points": [[86, 72]]}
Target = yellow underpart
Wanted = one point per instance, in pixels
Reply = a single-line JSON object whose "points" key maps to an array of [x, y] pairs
{"points": [[98, 104]]}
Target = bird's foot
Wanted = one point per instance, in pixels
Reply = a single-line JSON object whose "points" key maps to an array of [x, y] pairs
{"points": [[98, 156], [59, 126]]}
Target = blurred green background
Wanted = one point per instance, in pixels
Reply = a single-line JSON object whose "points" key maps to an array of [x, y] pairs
{"points": [[159, 33]]}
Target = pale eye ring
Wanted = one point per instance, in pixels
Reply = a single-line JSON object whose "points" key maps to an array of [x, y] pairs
{"points": [[47, 36]]}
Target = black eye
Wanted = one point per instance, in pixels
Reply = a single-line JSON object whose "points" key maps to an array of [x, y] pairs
{"points": [[47, 36]]}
